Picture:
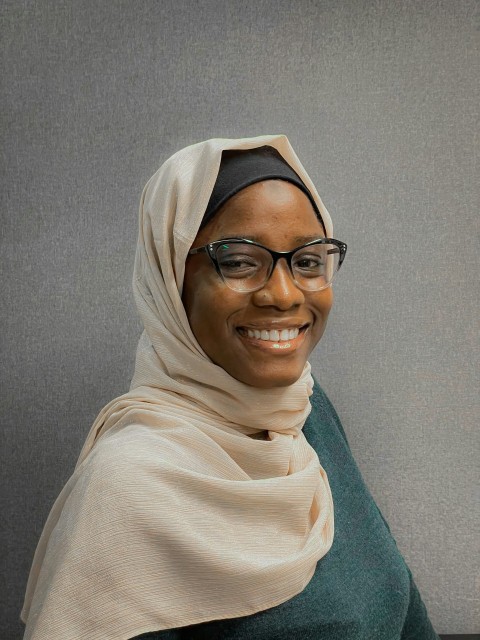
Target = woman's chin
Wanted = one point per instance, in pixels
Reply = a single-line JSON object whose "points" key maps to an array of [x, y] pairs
{"points": [[270, 379]]}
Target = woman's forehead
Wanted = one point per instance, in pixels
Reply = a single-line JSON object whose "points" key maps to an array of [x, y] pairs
{"points": [[265, 213], [269, 199]]}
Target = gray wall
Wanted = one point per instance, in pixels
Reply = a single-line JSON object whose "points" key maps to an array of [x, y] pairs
{"points": [[379, 100]]}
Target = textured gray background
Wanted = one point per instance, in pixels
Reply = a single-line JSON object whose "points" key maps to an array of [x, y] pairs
{"points": [[379, 99]]}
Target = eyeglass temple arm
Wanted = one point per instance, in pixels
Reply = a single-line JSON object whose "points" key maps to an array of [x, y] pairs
{"points": [[198, 250]]}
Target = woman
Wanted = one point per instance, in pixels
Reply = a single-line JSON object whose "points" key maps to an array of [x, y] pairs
{"points": [[202, 504]]}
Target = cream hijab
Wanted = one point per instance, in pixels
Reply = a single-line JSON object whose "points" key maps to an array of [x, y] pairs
{"points": [[175, 513]]}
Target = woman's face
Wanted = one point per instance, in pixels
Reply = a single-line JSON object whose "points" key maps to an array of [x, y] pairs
{"points": [[278, 215]]}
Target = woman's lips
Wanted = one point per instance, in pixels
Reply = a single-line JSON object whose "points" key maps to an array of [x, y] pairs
{"points": [[273, 346]]}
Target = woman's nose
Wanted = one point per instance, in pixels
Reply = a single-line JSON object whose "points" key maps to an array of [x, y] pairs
{"points": [[280, 289]]}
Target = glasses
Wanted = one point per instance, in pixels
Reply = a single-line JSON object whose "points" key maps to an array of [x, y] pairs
{"points": [[245, 265]]}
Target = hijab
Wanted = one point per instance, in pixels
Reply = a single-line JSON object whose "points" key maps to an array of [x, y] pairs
{"points": [[175, 513]]}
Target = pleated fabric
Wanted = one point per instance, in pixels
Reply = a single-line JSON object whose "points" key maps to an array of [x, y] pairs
{"points": [[176, 513]]}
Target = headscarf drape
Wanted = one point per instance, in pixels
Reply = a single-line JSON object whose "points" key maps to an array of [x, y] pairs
{"points": [[175, 513]]}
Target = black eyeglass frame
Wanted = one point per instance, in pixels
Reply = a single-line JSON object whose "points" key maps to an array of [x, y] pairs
{"points": [[211, 248]]}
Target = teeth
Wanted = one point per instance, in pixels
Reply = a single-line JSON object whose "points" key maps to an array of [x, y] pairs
{"points": [[274, 335]]}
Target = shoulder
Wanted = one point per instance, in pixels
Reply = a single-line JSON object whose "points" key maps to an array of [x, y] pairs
{"points": [[131, 457], [323, 410]]}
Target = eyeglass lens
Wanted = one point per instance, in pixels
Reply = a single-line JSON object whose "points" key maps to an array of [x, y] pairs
{"points": [[246, 267]]}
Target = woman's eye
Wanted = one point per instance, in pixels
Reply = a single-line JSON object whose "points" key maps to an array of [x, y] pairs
{"points": [[307, 262], [235, 264], [238, 264]]}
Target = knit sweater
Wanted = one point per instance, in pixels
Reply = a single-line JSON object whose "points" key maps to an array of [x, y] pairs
{"points": [[362, 588]]}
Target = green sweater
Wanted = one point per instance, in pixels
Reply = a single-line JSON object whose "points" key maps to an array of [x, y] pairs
{"points": [[362, 588]]}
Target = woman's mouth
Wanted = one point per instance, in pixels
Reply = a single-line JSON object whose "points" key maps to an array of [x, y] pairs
{"points": [[280, 340]]}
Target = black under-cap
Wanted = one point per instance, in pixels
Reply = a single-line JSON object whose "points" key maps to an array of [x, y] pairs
{"points": [[240, 168]]}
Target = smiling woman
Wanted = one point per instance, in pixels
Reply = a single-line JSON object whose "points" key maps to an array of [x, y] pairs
{"points": [[202, 503], [224, 319]]}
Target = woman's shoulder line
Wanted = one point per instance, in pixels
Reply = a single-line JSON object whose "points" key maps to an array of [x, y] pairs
{"points": [[321, 403]]}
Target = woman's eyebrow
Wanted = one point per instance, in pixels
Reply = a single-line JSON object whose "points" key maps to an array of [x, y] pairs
{"points": [[299, 239], [303, 239]]}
